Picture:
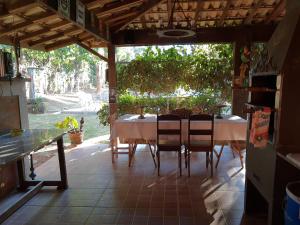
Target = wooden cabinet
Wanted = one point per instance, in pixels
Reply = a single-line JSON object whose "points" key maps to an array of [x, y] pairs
{"points": [[9, 119], [261, 161]]}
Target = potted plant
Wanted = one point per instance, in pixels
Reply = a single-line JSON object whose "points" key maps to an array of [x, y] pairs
{"points": [[74, 129]]}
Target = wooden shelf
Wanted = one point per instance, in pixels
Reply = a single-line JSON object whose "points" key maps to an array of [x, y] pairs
{"points": [[251, 108], [7, 79], [271, 73], [256, 89]]}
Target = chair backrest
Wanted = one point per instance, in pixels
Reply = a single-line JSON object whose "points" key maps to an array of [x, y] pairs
{"points": [[183, 113], [201, 131], [168, 125]]}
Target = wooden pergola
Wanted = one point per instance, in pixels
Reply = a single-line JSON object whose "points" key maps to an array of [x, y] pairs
{"points": [[46, 25]]}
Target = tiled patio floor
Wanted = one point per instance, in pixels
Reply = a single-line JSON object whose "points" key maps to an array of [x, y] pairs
{"points": [[102, 193]]}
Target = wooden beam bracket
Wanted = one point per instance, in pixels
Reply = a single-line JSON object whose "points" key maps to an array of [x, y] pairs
{"points": [[91, 51]]}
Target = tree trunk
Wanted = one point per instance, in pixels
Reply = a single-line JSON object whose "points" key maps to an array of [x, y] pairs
{"points": [[76, 76], [98, 78]]}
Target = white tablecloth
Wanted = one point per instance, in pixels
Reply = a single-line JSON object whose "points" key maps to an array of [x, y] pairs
{"points": [[130, 127]]}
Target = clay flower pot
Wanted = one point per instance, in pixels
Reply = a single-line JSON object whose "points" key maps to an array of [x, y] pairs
{"points": [[76, 137]]}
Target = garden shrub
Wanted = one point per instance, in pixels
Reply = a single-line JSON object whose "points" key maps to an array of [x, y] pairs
{"points": [[130, 104]]}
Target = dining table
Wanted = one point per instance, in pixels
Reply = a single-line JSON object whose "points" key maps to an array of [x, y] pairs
{"points": [[132, 130], [130, 127]]}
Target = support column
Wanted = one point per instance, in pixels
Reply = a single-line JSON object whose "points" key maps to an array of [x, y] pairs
{"points": [[112, 80], [239, 96]]}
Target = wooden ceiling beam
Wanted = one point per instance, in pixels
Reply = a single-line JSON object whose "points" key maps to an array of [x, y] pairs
{"points": [[121, 16], [199, 6], [3, 11], [280, 7], [203, 20], [203, 35], [252, 11], [60, 44], [96, 4], [92, 51], [22, 25], [71, 31], [225, 13], [44, 30], [93, 31], [169, 8], [217, 9], [141, 11], [22, 6], [143, 21], [117, 7]]}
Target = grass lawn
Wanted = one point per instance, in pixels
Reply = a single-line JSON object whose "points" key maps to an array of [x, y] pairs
{"points": [[91, 123]]}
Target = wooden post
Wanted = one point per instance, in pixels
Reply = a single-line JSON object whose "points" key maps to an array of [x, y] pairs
{"points": [[112, 80], [239, 96]]}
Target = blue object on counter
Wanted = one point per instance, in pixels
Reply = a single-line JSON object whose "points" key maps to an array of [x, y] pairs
{"points": [[292, 208]]}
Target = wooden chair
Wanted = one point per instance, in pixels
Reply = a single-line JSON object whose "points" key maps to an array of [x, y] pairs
{"points": [[168, 139], [235, 146], [200, 145], [183, 113]]}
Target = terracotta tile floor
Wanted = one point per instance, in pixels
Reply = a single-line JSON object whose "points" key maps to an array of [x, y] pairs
{"points": [[104, 193]]}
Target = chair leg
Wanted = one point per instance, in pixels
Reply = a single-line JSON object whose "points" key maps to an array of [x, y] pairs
{"points": [[158, 161], [185, 156], [219, 155], [189, 162], [241, 158], [130, 154], [179, 158], [112, 153], [212, 164], [152, 154], [207, 157]]}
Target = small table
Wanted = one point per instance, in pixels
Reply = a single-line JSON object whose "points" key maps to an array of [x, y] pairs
{"points": [[15, 145]]}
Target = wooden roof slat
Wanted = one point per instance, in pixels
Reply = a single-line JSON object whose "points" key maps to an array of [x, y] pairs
{"points": [[117, 7], [225, 12], [199, 6], [31, 35], [252, 11], [121, 16], [276, 12], [21, 6], [53, 37], [60, 44], [93, 32], [92, 51], [218, 9], [143, 20], [95, 4], [142, 11], [169, 8], [22, 25]]}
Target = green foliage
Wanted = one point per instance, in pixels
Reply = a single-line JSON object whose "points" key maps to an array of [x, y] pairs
{"points": [[37, 105], [129, 104], [161, 71], [103, 114], [71, 61], [69, 124]]}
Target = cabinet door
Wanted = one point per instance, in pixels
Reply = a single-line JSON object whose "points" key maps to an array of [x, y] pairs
{"points": [[8, 179], [10, 112], [261, 168]]}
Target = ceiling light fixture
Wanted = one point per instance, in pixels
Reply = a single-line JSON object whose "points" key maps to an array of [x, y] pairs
{"points": [[177, 31]]}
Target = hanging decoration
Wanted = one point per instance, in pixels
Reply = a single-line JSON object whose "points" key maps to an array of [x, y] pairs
{"points": [[177, 31]]}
